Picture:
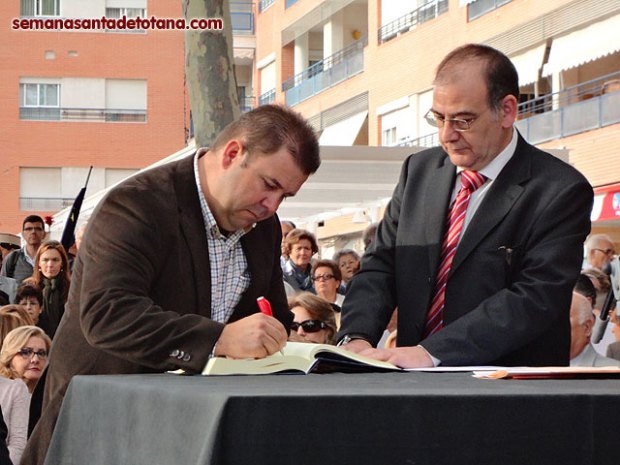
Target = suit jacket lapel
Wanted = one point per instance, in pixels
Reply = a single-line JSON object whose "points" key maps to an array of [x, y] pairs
{"points": [[193, 230], [502, 195], [436, 203]]}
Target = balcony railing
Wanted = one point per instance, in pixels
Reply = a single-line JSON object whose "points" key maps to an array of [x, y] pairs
{"points": [[242, 17], [429, 140], [326, 73], [263, 4], [82, 114], [246, 104], [482, 7], [44, 204], [267, 97], [590, 105], [407, 22]]}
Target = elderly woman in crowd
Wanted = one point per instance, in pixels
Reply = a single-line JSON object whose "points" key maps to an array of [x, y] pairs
{"points": [[314, 319], [53, 276], [349, 263], [300, 246], [14, 395], [24, 355]]}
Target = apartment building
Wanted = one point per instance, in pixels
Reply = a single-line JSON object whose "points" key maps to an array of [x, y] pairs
{"points": [[113, 99], [361, 71]]}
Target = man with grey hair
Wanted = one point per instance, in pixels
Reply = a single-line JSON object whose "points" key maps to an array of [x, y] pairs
{"points": [[600, 250], [582, 354]]}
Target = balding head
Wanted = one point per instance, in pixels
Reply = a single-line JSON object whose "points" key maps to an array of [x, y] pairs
{"points": [[581, 323]]}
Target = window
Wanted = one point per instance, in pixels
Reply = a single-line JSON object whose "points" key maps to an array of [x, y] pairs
{"points": [[389, 137], [481, 7], [117, 13], [39, 7], [39, 101], [126, 100]]}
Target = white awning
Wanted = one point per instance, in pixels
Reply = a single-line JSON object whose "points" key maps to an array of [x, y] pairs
{"points": [[465, 2], [587, 44], [343, 132], [528, 64]]}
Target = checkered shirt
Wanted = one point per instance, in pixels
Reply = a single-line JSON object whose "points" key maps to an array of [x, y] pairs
{"points": [[230, 276]]}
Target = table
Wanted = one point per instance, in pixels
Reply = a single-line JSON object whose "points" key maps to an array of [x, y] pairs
{"points": [[395, 418]]}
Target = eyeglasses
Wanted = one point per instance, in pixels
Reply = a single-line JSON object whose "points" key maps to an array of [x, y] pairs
{"points": [[459, 124], [323, 277], [28, 352], [309, 326], [607, 251], [30, 229]]}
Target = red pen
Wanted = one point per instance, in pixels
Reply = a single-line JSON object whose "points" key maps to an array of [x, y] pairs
{"points": [[264, 306]]}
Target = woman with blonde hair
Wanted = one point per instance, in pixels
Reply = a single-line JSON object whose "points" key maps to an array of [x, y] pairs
{"points": [[53, 276], [24, 355]]}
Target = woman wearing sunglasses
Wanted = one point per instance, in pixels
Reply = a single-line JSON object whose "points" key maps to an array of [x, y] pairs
{"points": [[24, 355], [314, 319]]}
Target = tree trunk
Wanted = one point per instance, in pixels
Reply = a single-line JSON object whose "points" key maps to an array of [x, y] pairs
{"points": [[210, 71]]}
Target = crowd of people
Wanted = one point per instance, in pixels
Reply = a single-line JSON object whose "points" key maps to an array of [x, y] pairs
{"points": [[35, 280], [474, 262]]}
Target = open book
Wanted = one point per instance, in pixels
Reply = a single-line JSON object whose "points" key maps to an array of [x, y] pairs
{"points": [[300, 357]]}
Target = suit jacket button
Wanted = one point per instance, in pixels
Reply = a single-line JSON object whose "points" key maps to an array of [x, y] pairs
{"points": [[187, 357], [174, 353]]}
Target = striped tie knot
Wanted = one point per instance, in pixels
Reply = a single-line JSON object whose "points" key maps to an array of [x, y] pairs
{"points": [[472, 180]]}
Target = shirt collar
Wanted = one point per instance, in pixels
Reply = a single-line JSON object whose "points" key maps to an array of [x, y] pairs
{"points": [[213, 230], [492, 170]]}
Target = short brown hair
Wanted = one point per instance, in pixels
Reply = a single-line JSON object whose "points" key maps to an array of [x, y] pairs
{"points": [[319, 308], [500, 74], [268, 128], [297, 235], [331, 264]]}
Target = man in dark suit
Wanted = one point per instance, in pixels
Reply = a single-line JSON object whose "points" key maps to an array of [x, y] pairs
{"points": [[174, 258], [509, 264]]}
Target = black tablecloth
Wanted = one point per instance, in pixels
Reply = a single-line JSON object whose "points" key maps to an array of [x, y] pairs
{"points": [[396, 418]]}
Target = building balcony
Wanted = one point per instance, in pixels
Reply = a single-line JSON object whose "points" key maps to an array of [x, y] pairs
{"points": [[326, 73], [44, 204], [82, 114], [591, 105], [267, 97], [263, 4], [429, 140], [246, 104], [407, 22]]}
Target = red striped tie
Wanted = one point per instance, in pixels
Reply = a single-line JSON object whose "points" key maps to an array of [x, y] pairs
{"points": [[470, 181]]}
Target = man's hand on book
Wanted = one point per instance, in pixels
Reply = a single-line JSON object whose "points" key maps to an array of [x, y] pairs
{"points": [[404, 357], [255, 336]]}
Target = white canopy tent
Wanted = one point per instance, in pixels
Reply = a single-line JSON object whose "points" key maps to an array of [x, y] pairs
{"points": [[350, 179]]}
